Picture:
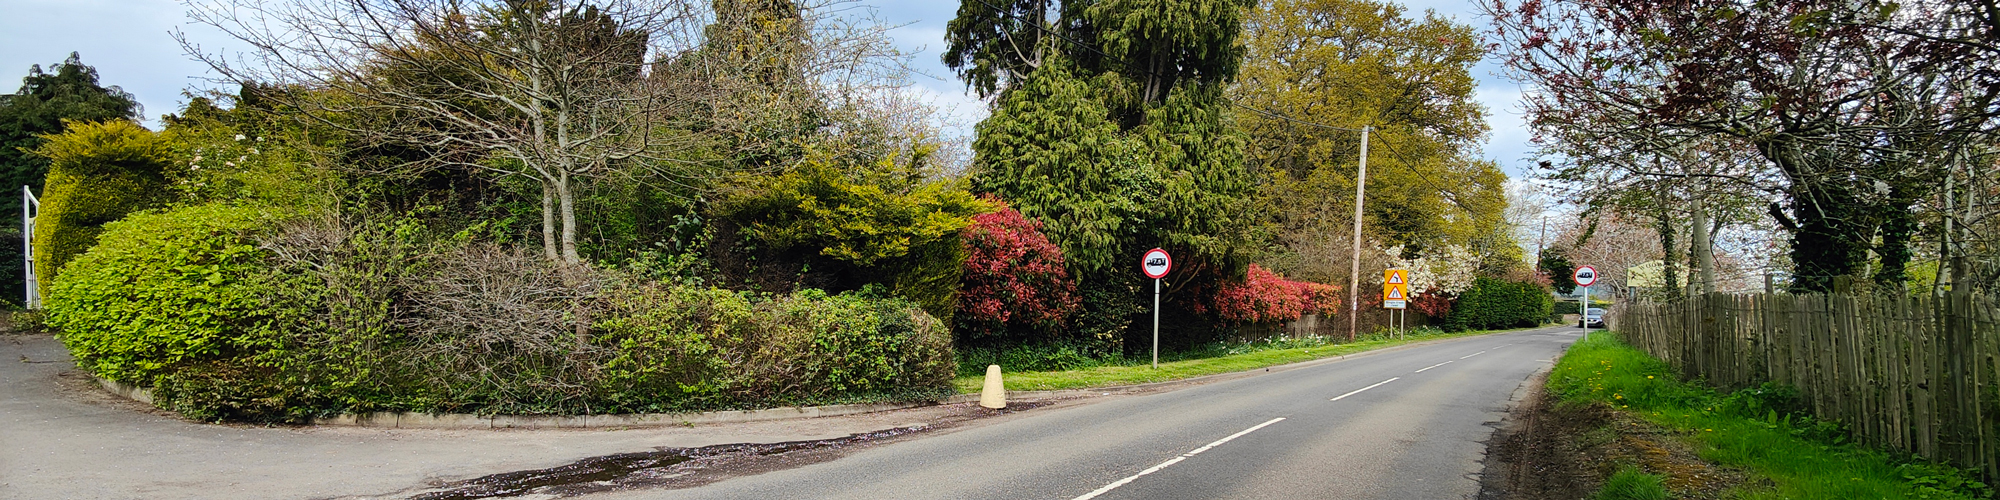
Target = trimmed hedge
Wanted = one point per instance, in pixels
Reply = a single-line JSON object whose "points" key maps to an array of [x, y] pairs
{"points": [[1494, 303], [162, 291], [98, 173], [228, 317]]}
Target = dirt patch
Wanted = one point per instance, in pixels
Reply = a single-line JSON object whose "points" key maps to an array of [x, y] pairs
{"points": [[1556, 451]]}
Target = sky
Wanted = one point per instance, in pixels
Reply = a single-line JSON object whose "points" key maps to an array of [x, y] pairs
{"points": [[131, 45]]}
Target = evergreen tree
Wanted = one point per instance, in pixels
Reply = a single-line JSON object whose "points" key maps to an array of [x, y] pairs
{"points": [[68, 91], [1115, 135]]}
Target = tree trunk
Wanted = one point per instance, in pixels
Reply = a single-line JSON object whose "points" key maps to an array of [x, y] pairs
{"points": [[549, 222], [1670, 254], [566, 196], [1702, 250]]}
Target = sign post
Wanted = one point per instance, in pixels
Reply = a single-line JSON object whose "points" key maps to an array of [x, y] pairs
{"points": [[1156, 263], [1584, 276], [1396, 295]]}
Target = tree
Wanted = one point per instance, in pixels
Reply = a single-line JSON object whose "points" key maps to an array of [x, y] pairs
{"points": [[1555, 262], [554, 92], [1853, 123], [1115, 134], [1352, 63], [68, 91]]}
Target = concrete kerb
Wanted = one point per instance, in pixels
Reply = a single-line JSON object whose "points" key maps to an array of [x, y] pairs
{"points": [[410, 420]]}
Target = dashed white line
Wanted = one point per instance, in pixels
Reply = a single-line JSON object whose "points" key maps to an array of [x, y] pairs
{"points": [[1358, 391], [1473, 354], [1432, 366], [1184, 456]]}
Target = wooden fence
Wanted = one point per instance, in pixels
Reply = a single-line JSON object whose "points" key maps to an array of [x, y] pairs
{"points": [[1915, 374]]}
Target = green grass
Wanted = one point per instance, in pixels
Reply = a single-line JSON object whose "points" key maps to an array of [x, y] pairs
{"points": [[1630, 483], [1231, 358], [1762, 430]]}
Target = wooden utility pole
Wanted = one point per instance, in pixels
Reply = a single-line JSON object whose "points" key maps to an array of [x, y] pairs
{"points": [[1354, 276]]}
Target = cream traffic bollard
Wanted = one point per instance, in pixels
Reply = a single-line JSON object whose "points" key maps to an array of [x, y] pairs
{"points": [[995, 394]]}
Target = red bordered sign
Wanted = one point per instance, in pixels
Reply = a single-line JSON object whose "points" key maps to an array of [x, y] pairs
{"points": [[1156, 263]]}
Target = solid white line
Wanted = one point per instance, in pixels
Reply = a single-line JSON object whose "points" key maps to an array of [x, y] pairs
{"points": [[1432, 366], [1474, 354], [1175, 460], [1358, 391]]}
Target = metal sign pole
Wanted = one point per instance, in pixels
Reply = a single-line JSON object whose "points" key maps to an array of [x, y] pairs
{"points": [[1586, 313], [1156, 323]]}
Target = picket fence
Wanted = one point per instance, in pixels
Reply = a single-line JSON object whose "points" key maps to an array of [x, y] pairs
{"points": [[1915, 374]]}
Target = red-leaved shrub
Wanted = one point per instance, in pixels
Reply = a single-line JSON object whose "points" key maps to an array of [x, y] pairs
{"points": [[1265, 296], [1013, 276], [1432, 303]]}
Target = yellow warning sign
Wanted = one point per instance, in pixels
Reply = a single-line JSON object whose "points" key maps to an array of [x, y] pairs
{"points": [[1395, 288]]}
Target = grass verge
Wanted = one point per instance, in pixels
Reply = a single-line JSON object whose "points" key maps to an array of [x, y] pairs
{"points": [[1240, 357], [1763, 430]]}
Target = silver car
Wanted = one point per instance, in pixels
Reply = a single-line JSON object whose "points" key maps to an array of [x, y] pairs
{"points": [[1592, 318]]}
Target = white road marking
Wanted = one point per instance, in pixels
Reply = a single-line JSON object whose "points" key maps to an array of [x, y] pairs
{"points": [[1358, 391], [1432, 366], [1184, 456], [1473, 354]]}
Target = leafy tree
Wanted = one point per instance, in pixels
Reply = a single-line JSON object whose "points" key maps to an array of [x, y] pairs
{"points": [[1555, 262], [68, 91], [1115, 134], [1852, 121], [1351, 63]]}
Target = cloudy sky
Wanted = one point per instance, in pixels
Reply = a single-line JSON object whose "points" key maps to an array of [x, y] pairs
{"points": [[129, 43]]}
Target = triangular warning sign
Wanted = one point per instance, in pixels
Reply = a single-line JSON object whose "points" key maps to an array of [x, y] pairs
{"points": [[1395, 278], [1396, 293]]}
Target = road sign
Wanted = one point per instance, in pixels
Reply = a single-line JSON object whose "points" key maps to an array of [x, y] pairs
{"points": [[1156, 263], [1585, 276], [1395, 288]]}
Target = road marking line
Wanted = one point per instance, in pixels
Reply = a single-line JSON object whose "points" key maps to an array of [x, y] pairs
{"points": [[1149, 470], [1432, 366], [1358, 391], [1473, 354]]}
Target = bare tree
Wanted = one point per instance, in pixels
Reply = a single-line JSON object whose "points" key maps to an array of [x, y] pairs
{"points": [[554, 91]]}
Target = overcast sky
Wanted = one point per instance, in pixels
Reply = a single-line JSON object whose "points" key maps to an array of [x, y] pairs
{"points": [[129, 43]]}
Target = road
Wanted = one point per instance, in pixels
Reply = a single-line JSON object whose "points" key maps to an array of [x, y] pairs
{"points": [[1408, 423]]}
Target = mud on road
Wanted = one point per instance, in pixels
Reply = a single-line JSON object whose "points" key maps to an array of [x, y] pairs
{"points": [[669, 468]]}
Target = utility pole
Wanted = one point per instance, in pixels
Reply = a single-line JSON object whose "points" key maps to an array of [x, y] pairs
{"points": [[1354, 275]]}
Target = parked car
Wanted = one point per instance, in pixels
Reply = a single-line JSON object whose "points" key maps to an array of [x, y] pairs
{"points": [[1592, 318]]}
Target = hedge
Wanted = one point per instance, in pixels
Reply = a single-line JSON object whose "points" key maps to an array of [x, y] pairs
{"points": [[231, 313], [1494, 303], [98, 173]]}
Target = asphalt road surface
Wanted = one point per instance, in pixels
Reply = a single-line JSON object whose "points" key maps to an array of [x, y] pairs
{"points": [[1409, 423]]}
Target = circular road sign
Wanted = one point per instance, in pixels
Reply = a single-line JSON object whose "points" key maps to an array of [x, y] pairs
{"points": [[1585, 275], [1156, 263]]}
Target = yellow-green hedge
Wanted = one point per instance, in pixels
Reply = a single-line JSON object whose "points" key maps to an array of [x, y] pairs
{"points": [[98, 172]]}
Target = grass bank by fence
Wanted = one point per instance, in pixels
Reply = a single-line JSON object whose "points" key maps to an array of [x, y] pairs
{"points": [[1915, 374]]}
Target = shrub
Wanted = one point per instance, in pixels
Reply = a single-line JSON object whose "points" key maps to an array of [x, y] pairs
{"points": [[1433, 303], [226, 321], [679, 347], [1264, 296], [1014, 278], [162, 290], [1494, 303], [902, 237], [98, 173]]}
